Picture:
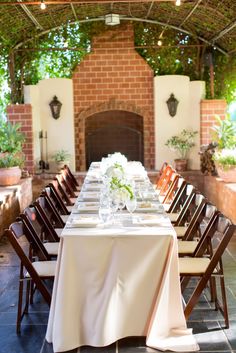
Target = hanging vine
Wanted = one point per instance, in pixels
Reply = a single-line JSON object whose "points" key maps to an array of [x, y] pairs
{"points": [[57, 54]]}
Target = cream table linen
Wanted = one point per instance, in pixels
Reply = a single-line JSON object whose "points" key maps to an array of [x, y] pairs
{"points": [[114, 282]]}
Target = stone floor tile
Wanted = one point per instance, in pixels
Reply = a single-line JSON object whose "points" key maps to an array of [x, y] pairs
{"points": [[30, 340]]}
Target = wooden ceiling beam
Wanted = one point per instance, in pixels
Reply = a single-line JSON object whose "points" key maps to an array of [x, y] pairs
{"points": [[30, 15], [77, 2]]}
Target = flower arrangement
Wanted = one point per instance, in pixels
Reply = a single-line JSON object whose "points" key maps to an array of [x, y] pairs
{"points": [[121, 189], [114, 169]]}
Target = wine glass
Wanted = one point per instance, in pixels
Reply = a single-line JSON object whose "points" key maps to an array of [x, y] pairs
{"points": [[131, 205], [105, 212]]}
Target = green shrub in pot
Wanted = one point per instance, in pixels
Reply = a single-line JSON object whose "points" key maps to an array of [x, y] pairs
{"points": [[181, 144], [11, 155], [224, 133]]}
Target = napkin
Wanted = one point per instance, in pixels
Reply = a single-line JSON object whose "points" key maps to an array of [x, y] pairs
{"points": [[86, 208], [150, 220], [90, 196], [148, 206], [84, 222]]}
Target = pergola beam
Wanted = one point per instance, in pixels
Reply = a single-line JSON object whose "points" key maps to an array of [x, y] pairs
{"points": [[77, 2], [224, 31], [74, 12], [210, 43], [191, 12], [29, 14]]}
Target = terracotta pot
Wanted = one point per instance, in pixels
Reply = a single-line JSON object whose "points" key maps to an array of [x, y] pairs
{"points": [[227, 175], [181, 165], [10, 176]]}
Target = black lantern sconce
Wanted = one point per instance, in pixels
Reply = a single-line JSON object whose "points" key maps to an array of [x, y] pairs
{"points": [[55, 106], [172, 104]]}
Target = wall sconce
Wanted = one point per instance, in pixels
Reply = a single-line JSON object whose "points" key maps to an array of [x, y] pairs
{"points": [[172, 104], [55, 106]]}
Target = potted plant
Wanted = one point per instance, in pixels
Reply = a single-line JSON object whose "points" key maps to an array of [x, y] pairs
{"points": [[181, 144], [61, 157], [11, 156], [224, 134]]}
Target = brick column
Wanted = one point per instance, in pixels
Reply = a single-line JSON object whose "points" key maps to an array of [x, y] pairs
{"points": [[210, 108], [22, 113]]}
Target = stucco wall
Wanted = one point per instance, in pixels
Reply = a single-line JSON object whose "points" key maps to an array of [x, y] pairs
{"points": [[189, 95], [60, 132]]}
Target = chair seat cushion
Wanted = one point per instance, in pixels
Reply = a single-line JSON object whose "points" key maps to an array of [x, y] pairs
{"points": [[69, 208], [173, 216], [161, 198], [180, 231], [73, 200], [166, 206], [44, 268], [193, 265], [187, 247], [58, 231], [64, 217], [52, 247]]}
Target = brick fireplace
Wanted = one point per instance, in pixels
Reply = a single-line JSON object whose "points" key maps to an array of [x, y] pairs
{"points": [[114, 85]]}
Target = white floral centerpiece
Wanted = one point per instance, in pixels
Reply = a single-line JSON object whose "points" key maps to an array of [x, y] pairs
{"points": [[114, 170]]}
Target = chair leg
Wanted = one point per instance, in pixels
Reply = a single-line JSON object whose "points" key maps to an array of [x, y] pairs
{"points": [[213, 290], [29, 284], [19, 310], [224, 307]]}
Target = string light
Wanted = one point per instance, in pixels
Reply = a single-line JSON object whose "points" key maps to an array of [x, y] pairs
{"points": [[178, 2], [42, 5], [159, 42]]}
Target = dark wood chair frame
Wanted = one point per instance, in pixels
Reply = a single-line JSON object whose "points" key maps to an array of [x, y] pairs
{"points": [[215, 268], [15, 232]]}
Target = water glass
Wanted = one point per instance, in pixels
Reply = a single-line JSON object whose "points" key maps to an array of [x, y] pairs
{"points": [[105, 213], [131, 205]]}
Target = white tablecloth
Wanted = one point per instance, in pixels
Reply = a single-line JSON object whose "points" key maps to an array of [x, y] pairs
{"points": [[114, 282]]}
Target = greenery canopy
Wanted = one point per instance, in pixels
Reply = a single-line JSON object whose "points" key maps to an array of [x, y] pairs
{"points": [[58, 52]]}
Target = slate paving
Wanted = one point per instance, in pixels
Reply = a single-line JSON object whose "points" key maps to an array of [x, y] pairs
{"points": [[207, 324]]}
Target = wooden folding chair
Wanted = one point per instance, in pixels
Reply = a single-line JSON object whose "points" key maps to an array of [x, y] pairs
{"points": [[189, 215], [56, 199], [207, 265], [173, 193], [57, 220], [162, 183], [41, 224], [170, 186], [33, 273], [181, 203], [62, 191], [66, 186], [39, 249], [197, 230], [72, 177]]}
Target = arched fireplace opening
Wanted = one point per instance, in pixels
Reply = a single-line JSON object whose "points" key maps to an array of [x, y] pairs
{"points": [[113, 131]]}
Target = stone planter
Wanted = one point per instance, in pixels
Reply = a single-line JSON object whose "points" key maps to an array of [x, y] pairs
{"points": [[227, 175], [181, 165], [10, 176]]}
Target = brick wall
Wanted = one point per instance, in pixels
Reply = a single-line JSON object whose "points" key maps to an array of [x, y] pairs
{"points": [[22, 113], [113, 77], [209, 108]]}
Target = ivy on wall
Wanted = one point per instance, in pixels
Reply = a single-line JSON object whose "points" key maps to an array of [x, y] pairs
{"points": [[60, 51]]}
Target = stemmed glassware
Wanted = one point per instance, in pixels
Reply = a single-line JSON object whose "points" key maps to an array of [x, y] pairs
{"points": [[131, 205]]}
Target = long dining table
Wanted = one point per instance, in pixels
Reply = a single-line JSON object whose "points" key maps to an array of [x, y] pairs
{"points": [[117, 279]]}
